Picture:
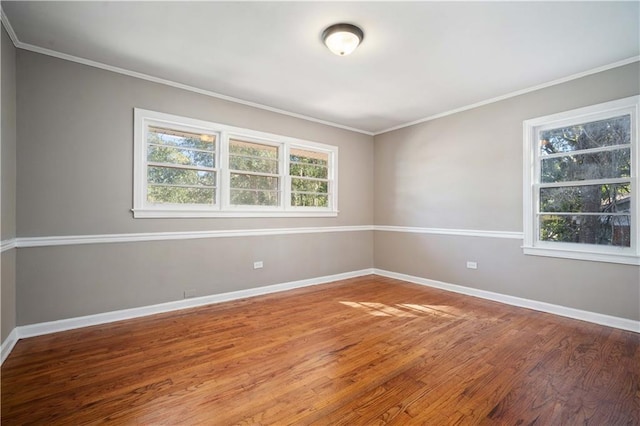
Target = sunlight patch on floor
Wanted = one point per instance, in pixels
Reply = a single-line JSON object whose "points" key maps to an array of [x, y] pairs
{"points": [[409, 310]]}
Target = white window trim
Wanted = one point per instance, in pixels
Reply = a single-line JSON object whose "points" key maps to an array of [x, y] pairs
{"points": [[141, 209], [531, 165]]}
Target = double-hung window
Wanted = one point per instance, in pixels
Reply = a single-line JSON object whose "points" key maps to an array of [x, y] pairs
{"points": [[181, 166], [254, 173], [309, 173], [192, 168], [581, 183]]}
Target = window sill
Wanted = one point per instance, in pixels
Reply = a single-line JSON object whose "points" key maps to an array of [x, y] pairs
{"points": [[168, 213], [625, 259]]}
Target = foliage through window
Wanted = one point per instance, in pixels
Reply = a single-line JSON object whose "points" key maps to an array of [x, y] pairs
{"points": [[192, 168], [580, 193], [254, 174], [180, 167], [309, 173]]}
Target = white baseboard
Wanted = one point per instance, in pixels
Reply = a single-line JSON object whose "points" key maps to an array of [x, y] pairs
{"points": [[32, 330], [593, 317], [8, 344]]}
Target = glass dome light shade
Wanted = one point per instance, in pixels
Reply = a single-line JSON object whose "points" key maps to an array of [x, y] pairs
{"points": [[342, 39]]}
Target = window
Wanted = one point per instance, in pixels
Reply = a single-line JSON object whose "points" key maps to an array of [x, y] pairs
{"points": [[581, 188], [192, 168], [309, 173], [254, 174], [181, 167]]}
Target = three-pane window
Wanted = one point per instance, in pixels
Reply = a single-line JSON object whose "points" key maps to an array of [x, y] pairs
{"points": [[192, 168]]}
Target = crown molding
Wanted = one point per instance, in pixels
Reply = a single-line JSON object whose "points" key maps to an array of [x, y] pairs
{"points": [[8, 27], [49, 52], [513, 94], [56, 54]]}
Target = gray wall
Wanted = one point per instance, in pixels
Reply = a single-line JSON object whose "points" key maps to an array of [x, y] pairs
{"points": [[75, 177], [8, 202], [78, 280], [464, 171]]}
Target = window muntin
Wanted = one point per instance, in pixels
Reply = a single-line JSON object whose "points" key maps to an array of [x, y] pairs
{"points": [[581, 190], [193, 168]]}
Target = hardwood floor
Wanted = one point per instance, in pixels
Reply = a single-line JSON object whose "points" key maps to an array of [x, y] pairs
{"points": [[369, 350]]}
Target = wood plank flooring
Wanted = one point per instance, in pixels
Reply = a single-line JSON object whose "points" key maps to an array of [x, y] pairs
{"points": [[364, 351]]}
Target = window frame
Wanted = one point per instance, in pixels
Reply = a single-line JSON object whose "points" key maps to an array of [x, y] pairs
{"points": [[532, 182], [223, 208]]}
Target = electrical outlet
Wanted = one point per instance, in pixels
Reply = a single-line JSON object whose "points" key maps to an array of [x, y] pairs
{"points": [[189, 293], [472, 265], [258, 265]]}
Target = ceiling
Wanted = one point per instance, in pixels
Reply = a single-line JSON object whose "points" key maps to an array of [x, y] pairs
{"points": [[418, 59]]}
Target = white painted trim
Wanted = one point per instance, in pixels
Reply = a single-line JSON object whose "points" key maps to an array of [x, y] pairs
{"points": [[17, 43], [147, 77], [223, 134], [8, 244], [514, 94], [8, 27], [33, 330], [593, 317], [154, 213], [620, 258], [163, 236], [446, 231], [108, 317], [27, 242], [531, 183], [8, 344], [48, 327]]}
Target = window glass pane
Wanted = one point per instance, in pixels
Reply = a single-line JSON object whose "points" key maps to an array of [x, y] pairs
{"points": [[309, 185], [244, 181], [252, 149], [253, 157], [308, 163], [597, 165], [309, 157], [614, 198], [250, 197], [595, 134], [158, 135], [309, 200], [605, 230], [176, 176], [180, 195], [185, 157], [261, 165]]}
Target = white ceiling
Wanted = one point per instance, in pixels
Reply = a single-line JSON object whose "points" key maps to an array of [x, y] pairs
{"points": [[418, 59]]}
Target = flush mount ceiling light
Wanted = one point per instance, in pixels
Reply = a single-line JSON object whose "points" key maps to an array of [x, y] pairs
{"points": [[342, 39]]}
